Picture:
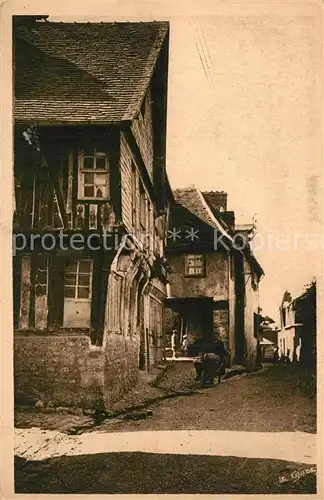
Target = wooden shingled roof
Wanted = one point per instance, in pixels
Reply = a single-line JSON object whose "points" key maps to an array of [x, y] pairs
{"points": [[81, 72], [192, 210]]}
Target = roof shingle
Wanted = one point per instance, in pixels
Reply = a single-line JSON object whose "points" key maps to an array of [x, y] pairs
{"points": [[193, 200], [84, 72]]}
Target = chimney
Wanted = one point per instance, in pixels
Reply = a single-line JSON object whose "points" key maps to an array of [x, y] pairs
{"points": [[217, 200]]}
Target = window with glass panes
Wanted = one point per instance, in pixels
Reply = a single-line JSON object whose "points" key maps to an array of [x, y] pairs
{"points": [[77, 279], [195, 265], [94, 174]]}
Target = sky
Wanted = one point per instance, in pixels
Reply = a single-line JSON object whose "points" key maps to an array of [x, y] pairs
{"points": [[244, 117]]}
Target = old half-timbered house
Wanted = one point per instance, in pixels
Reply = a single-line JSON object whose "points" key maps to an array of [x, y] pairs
{"points": [[213, 287], [92, 198]]}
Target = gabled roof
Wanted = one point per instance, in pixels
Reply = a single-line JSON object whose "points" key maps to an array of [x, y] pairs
{"points": [[187, 223], [191, 213], [243, 246], [192, 199], [189, 199], [81, 72]]}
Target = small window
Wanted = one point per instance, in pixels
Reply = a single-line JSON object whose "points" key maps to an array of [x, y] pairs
{"points": [[93, 175], [195, 265], [77, 279]]}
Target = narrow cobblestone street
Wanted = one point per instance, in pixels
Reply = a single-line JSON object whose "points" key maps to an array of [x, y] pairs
{"points": [[264, 404], [268, 401]]}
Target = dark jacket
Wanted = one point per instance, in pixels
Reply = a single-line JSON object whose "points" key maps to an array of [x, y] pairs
{"points": [[216, 347]]}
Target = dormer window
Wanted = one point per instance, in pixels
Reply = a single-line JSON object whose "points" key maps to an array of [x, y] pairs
{"points": [[93, 175]]}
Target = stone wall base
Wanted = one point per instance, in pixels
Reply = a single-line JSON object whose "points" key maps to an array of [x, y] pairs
{"points": [[68, 371]]}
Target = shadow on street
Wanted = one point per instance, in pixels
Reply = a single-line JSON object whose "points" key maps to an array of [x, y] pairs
{"points": [[130, 473]]}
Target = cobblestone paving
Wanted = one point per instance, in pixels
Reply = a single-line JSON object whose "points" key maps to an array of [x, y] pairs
{"points": [[267, 401], [180, 376], [177, 377]]}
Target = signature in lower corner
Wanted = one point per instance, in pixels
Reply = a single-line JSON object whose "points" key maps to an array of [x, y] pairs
{"points": [[295, 475]]}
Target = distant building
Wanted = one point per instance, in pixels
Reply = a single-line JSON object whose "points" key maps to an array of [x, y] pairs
{"points": [[269, 330], [214, 281], [267, 349], [298, 327]]}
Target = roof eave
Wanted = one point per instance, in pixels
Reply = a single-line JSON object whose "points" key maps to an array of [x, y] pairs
{"points": [[217, 223], [56, 123], [255, 264], [137, 109], [169, 190]]}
